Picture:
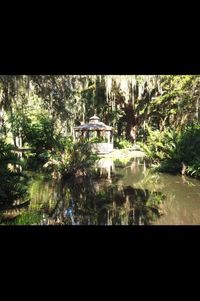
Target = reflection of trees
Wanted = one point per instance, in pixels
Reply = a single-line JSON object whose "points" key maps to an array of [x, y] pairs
{"points": [[151, 180], [112, 205], [117, 201], [48, 200], [95, 202], [182, 197], [44, 194]]}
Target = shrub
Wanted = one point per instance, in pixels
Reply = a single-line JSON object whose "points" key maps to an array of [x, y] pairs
{"points": [[123, 144], [172, 149], [76, 159], [13, 183]]}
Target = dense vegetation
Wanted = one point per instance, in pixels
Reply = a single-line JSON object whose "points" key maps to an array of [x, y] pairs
{"points": [[38, 113], [175, 150], [13, 181]]}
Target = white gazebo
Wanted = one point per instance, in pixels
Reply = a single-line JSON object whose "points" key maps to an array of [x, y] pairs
{"points": [[98, 133]]}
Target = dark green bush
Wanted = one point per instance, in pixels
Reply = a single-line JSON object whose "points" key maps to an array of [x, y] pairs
{"points": [[13, 185], [76, 159], [172, 148]]}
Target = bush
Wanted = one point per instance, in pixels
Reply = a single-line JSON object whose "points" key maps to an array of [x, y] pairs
{"points": [[28, 218], [160, 145], [188, 149], [76, 159], [173, 149], [40, 134], [13, 183], [123, 144]]}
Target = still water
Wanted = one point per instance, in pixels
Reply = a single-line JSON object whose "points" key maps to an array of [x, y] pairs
{"points": [[130, 195]]}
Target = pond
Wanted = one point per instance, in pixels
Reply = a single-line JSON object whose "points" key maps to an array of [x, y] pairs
{"points": [[124, 195]]}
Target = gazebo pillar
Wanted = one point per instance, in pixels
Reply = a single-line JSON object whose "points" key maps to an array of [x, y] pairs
{"points": [[74, 135], [108, 136], [111, 137]]}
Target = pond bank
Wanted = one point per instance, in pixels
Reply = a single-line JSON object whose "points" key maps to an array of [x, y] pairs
{"points": [[127, 153]]}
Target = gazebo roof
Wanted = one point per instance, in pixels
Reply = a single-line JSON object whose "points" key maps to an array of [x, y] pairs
{"points": [[93, 125]]}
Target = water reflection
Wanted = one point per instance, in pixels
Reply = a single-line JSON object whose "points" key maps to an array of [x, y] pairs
{"points": [[104, 204], [105, 167], [129, 195], [89, 202]]}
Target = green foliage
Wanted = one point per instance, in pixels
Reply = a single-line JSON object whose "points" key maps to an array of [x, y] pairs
{"points": [[188, 148], [123, 143], [98, 140], [155, 200], [76, 159], [19, 124], [159, 145], [42, 110], [172, 148], [13, 183], [122, 162], [40, 133], [28, 218]]}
